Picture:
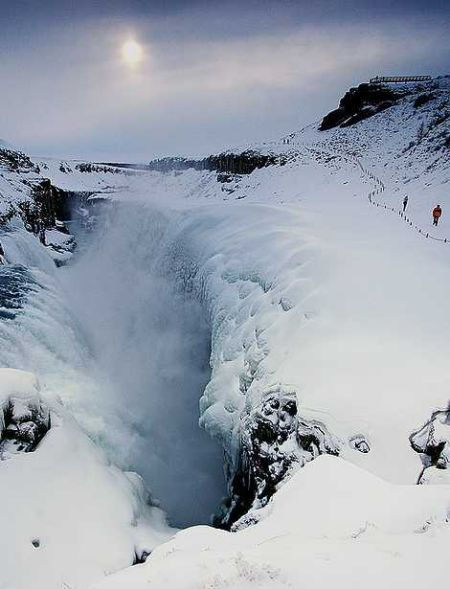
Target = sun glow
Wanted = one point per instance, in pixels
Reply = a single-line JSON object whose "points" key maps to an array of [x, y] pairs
{"points": [[132, 53]]}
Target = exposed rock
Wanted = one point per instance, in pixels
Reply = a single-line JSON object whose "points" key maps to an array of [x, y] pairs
{"points": [[275, 440], [40, 204], [240, 163], [141, 556], [225, 163], [24, 421], [45, 208], [423, 99], [89, 168], [224, 177], [64, 168], [359, 442], [362, 102], [16, 161], [432, 441]]}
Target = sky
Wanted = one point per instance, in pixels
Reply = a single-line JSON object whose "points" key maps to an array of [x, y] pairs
{"points": [[198, 76]]}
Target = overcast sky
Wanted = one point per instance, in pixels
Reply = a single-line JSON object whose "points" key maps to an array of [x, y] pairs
{"points": [[212, 74]]}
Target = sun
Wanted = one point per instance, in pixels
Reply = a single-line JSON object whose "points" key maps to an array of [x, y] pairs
{"points": [[132, 52]]}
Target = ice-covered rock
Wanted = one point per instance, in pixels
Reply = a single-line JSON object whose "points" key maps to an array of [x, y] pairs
{"points": [[359, 442], [24, 418], [275, 440], [432, 441], [60, 244]]}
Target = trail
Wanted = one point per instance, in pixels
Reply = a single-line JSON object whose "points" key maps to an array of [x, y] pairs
{"points": [[378, 188]]}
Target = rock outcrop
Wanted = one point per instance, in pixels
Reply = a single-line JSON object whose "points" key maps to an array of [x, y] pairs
{"points": [[24, 418], [361, 103], [25, 193], [275, 440], [245, 162], [432, 442]]}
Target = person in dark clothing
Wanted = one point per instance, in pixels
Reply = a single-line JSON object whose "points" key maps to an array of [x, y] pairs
{"points": [[405, 202], [437, 212], [42, 233]]}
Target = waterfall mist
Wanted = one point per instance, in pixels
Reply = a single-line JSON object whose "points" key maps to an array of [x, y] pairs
{"points": [[151, 345], [124, 349]]}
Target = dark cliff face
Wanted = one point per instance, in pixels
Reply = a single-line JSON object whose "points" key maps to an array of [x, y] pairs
{"points": [[16, 161], [245, 162], [362, 102], [47, 203], [432, 442]]}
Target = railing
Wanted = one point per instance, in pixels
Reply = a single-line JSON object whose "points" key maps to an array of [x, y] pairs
{"points": [[396, 79]]}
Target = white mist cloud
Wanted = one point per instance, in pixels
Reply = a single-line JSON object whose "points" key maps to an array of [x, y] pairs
{"points": [[151, 348]]}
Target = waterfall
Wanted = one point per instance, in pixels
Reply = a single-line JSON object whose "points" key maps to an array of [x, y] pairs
{"points": [[125, 349]]}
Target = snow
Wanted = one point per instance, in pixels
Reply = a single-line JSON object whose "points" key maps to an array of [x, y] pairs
{"points": [[16, 383], [358, 339], [17, 180], [23, 248], [105, 180], [307, 288], [330, 524], [69, 515], [308, 285], [60, 245]]}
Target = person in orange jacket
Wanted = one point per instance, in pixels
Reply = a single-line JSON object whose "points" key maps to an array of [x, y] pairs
{"points": [[437, 212]]}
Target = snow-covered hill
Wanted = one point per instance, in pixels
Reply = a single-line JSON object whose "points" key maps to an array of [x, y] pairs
{"points": [[69, 515], [328, 526], [328, 320]]}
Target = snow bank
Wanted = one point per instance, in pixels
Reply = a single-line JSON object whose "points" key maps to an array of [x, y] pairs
{"points": [[69, 516], [340, 311], [24, 419], [60, 246], [22, 247], [329, 525]]}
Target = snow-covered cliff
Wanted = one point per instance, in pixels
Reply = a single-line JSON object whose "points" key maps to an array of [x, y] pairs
{"points": [[326, 311]]}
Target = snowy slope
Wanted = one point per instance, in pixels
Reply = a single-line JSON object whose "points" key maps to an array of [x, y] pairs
{"points": [[79, 176], [69, 515], [332, 525], [18, 176]]}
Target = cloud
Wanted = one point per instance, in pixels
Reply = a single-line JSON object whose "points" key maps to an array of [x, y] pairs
{"points": [[69, 92]]}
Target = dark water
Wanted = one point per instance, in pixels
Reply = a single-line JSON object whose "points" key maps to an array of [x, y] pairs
{"points": [[15, 283]]}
